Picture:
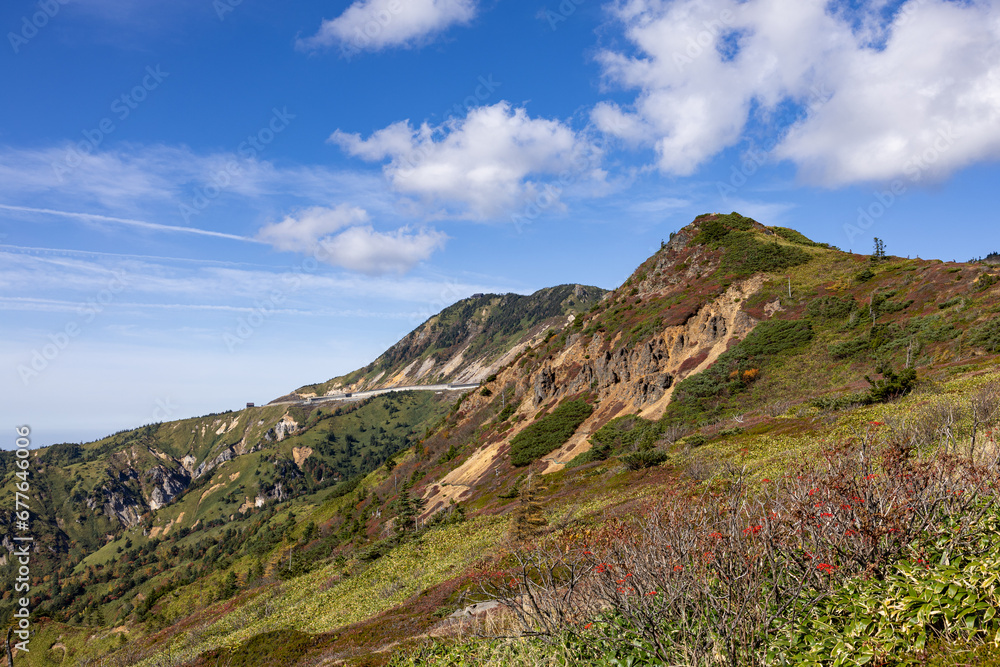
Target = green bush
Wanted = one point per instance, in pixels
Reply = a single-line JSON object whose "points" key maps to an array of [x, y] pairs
{"points": [[867, 619], [986, 336], [508, 409], [745, 254], [892, 385], [644, 458], [986, 281], [832, 307], [696, 440], [848, 349], [629, 431], [839, 402], [696, 394], [794, 236], [548, 433]]}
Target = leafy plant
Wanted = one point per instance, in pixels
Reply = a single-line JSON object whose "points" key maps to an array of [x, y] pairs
{"points": [[892, 385], [644, 458], [548, 433]]}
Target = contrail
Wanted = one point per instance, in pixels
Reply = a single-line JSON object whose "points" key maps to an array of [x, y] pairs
{"points": [[132, 223]]}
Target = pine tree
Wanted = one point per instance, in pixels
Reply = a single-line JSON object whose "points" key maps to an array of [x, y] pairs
{"points": [[879, 253], [409, 508], [229, 586]]}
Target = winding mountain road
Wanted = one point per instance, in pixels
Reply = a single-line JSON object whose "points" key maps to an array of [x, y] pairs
{"points": [[361, 395]]}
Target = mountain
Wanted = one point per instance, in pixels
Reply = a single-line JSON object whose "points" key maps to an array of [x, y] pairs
{"points": [[467, 341], [349, 530]]}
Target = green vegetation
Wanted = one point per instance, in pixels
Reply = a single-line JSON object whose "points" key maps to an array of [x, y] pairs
{"points": [[986, 335], [548, 433], [630, 437], [870, 557], [794, 236], [745, 254], [737, 369]]}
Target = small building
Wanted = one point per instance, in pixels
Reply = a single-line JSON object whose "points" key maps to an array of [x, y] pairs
{"points": [[249, 405]]}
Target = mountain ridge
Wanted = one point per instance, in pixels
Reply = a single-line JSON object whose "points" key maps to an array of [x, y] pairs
{"points": [[466, 341]]}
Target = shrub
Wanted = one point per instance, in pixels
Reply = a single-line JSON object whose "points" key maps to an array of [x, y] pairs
{"points": [[832, 307], [848, 349], [986, 336], [548, 433], [892, 385], [986, 281], [829, 565], [644, 458], [627, 432], [768, 339], [794, 236]]}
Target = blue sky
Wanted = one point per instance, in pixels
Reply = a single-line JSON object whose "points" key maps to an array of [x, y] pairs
{"points": [[208, 202]]}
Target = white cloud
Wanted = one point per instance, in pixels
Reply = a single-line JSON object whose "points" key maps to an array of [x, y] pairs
{"points": [[495, 159], [302, 232], [357, 246], [377, 253], [876, 96], [373, 25]]}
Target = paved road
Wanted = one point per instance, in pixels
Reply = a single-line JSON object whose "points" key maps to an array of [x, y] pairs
{"points": [[361, 395]]}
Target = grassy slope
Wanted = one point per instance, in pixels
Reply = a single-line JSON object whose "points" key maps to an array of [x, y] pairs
{"points": [[211, 507]]}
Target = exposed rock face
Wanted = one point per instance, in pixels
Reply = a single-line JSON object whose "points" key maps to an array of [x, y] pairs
{"points": [[168, 485], [285, 427], [545, 383], [124, 506], [206, 466]]}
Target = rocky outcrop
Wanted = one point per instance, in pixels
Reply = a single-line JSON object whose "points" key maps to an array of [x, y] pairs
{"points": [[545, 385], [168, 484], [284, 428], [124, 506], [206, 466]]}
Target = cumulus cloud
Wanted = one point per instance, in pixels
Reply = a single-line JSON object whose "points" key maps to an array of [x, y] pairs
{"points": [[340, 237], [302, 232], [373, 25], [481, 166], [365, 250], [878, 94]]}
